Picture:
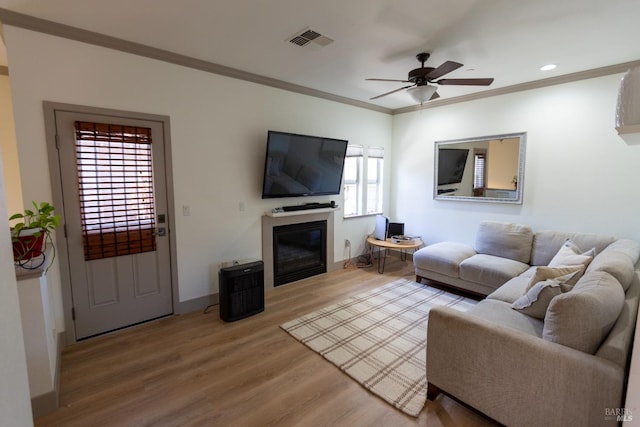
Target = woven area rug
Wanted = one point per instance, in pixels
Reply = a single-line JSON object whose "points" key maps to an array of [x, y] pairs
{"points": [[379, 338]]}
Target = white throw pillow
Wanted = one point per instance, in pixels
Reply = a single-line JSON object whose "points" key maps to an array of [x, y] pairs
{"points": [[568, 275], [570, 254]]}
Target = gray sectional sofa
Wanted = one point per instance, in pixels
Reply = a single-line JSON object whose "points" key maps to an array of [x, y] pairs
{"points": [[550, 344]]}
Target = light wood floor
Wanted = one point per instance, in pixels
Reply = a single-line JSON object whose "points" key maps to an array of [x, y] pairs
{"points": [[196, 370]]}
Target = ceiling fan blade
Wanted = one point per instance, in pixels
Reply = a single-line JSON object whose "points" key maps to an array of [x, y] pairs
{"points": [[390, 92], [465, 82], [389, 80], [445, 68]]}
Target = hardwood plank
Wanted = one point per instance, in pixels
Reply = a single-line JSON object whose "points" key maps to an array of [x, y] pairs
{"points": [[196, 370]]}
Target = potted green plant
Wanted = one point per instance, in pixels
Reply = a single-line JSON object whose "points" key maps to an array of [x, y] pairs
{"points": [[33, 231]]}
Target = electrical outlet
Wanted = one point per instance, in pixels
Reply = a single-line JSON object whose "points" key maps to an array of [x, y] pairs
{"points": [[347, 243], [186, 210]]}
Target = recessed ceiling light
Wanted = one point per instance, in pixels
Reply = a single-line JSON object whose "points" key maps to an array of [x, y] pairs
{"points": [[548, 67]]}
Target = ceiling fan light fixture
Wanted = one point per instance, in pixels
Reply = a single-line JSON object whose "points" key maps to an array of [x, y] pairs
{"points": [[422, 93], [420, 90]]}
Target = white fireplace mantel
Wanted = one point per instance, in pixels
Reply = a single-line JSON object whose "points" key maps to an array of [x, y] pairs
{"points": [[298, 213]]}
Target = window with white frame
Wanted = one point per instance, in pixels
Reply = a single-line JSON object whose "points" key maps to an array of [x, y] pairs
{"points": [[363, 181]]}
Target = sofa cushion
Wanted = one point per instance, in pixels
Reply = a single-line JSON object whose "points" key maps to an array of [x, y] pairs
{"points": [[501, 313], [583, 317], [616, 346], [547, 243], [512, 241], [619, 260], [570, 254], [443, 257], [490, 270], [513, 289]]}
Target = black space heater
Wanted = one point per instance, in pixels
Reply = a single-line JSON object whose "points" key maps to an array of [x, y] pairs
{"points": [[241, 290]]}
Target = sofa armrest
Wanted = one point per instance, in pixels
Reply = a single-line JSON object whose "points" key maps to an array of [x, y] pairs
{"points": [[516, 378]]}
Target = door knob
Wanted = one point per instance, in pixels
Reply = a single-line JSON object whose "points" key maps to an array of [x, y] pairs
{"points": [[160, 232]]}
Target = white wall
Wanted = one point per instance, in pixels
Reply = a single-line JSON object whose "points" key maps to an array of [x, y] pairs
{"points": [[579, 175], [15, 405], [218, 130], [9, 149]]}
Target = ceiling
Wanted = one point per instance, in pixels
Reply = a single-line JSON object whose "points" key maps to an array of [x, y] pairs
{"points": [[506, 39]]}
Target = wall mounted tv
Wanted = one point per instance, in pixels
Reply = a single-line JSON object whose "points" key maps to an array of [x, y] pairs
{"points": [[302, 165], [451, 164]]}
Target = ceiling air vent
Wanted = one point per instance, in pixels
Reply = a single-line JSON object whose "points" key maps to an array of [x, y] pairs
{"points": [[307, 36]]}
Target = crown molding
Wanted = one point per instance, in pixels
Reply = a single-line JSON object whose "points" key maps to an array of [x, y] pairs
{"points": [[27, 22], [551, 81]]}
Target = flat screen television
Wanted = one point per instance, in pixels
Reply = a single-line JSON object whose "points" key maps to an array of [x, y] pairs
{"points": [[451, 164], [302, 165]]}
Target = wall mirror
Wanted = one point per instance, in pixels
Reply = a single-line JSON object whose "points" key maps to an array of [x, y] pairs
{"points": [[482, 169]]}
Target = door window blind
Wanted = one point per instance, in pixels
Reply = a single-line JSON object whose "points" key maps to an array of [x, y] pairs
{"points": [[115, 184]]}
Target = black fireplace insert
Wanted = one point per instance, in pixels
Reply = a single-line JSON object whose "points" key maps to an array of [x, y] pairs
{"points": [[299, 251]]}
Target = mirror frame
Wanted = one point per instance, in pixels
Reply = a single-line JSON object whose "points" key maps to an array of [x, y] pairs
{"points": [[522, 136]]}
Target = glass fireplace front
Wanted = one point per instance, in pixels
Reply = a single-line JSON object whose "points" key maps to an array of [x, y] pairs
{"points": [[299, 251]]}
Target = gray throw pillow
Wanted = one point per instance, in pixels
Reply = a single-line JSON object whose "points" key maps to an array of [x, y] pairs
{"points": [[546, 283], [535, 301], [582, 318]]}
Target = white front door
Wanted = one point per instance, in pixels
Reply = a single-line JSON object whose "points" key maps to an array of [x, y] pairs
{"points": [[115, 214]]}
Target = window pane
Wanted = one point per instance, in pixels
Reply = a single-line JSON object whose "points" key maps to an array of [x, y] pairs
{"points": [[372, 170], [351, 169], [374, 185], [372, 196], [350, 200], [352, 186]]}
